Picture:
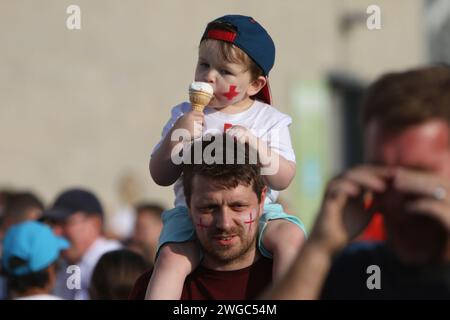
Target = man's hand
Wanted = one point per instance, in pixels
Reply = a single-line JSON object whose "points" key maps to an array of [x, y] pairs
{"points": [[432, 194], [191, 121], [343, 214]]}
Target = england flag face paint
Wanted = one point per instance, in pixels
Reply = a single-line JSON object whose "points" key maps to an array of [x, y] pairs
{"points": [[231, 93], [249, 219], [201, 225]]}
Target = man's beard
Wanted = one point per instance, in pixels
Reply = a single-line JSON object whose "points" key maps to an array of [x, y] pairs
{"points": [[229, 254]]}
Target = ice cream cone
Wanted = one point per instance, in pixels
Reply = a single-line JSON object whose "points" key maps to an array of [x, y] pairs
{"points": [[199, 100], [200, 94]]}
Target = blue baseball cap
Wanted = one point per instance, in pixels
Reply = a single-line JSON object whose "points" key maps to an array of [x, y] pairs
{"points": [[248, 35], [71, 201], [36, 246]]}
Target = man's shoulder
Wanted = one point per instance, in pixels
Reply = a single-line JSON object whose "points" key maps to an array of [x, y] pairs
{"points": [[140, 286], [349, 272], [361, 252], [98, 248]]}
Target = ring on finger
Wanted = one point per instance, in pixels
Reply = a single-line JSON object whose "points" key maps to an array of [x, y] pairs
{"points": [[440, 193]]}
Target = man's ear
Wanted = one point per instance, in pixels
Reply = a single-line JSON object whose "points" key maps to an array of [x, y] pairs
{"points": [[188, 205], [97, 221], [263, 198], [256, 85]]}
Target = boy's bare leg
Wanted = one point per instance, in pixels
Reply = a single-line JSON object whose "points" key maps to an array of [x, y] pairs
{"points": [[174, 263], [284, 240]]}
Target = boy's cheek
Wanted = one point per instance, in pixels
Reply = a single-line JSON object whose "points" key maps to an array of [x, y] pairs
{"points": [[231, 94]]}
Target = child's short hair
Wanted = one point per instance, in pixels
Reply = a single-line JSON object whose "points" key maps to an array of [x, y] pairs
{"points": [[231, 53]]}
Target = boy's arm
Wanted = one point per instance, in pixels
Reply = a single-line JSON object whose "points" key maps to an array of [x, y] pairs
{"points": [[277, 172], [284, 170], [163, 169], [283, 239]]}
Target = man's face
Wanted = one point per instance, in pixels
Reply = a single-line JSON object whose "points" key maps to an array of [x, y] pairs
{"points": [[81, 230], [226, 223], [416, 239], [146, 233], [231, 81]]}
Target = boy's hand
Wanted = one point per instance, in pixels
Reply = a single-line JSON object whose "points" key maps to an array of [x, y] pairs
{"points": [[191, 121], [243, 135]]}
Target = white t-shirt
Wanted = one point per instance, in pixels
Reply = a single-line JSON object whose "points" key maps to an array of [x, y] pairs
{"points": [[87, 264], [264, 121]]}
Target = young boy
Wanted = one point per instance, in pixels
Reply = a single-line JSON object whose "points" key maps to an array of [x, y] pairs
{"points": [[235, 57]]}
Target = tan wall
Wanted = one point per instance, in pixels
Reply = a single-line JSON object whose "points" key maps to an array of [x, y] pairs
{"points": [[84, 107]]}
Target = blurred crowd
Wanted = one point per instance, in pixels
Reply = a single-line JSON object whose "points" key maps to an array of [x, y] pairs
{"points": [[66, 251]]}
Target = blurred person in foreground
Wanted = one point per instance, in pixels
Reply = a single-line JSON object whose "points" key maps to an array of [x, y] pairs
{"points": [[148, 226], [30, 254], [406, 118], [20, 207], [78, 215], [17, 207], [115, 274]]}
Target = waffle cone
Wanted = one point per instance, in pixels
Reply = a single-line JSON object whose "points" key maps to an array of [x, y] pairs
{"points": [[199, 100]]}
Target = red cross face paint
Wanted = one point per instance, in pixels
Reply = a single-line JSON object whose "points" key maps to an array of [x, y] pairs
{"points": [[249, 219], [201, 225], [231, 93]]}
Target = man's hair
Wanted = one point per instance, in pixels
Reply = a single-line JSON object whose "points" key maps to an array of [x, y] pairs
{"points": [[231, 53], [114, 275], [400, 100], [22, 283], [19, 203], [221, 173]]}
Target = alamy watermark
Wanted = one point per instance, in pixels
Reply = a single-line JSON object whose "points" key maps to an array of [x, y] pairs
{"points": [[73, 281], [373, 22], [73, 21], [374, 280], [225, 149]]}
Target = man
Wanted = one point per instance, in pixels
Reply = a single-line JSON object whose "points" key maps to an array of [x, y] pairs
{"points": [[406, 119], [79, 214], [20, 207], [146, 231], [225, 203], [30, 253]]}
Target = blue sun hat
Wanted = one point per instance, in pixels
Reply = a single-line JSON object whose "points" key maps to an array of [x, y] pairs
{"points": [[34, 244]]}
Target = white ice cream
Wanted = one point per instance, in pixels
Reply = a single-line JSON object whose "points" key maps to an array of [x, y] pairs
{"points": [[201, 86]]}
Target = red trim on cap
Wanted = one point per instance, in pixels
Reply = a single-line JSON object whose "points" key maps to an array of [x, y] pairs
{"points": [[264, 94], [223, 35]]}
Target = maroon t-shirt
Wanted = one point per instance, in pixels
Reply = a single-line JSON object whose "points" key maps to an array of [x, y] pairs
{"points": [[243, 284]]}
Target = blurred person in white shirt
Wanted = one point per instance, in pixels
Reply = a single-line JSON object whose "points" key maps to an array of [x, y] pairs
{"points": [[78, 214]]}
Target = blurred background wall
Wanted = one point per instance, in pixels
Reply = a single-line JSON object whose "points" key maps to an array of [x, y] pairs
{"points": [[84, 107]]}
